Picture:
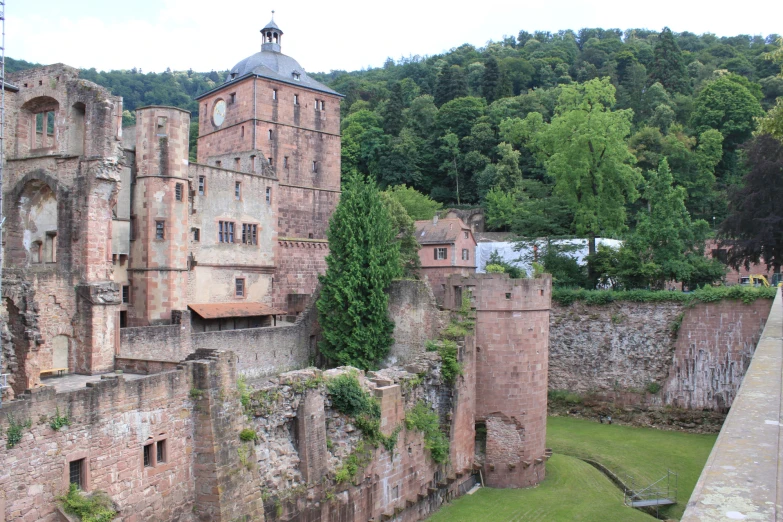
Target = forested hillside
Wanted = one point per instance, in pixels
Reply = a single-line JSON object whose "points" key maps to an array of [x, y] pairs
{"points": [[637, 134]]}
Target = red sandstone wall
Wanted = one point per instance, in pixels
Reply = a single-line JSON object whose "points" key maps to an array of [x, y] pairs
{"points": [[512, 339], [714, 346], [298, 267]]}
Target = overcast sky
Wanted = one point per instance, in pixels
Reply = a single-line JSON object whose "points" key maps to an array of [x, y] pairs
{"points": [[342, 34]]}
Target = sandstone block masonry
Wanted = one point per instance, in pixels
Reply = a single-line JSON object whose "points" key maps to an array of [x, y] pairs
{"points": [[696, 355]]}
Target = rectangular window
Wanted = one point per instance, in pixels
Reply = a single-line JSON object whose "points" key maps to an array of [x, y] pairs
{"points": [[148, 456], [269, 134], [238, 190], [323, 105], [232, 98], [126, 294], [269, 159], [274, 94], [76, 473], [465, 254], [242, 131], [285, 162], [237, 164], [249, 234], [465, 232], [315, 166], [269, 195], [225, 232], [161, 451], [160, 227], [317, 105], [441, 253], [253, 163], [296, 99], [240, 287], [202, 185], [178, 191], [50, 251], [196, 234]]}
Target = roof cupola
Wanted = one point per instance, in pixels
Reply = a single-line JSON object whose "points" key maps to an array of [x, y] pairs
{"points": [[271, 36]]}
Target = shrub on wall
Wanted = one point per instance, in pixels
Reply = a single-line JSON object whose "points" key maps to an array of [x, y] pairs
{"points": [[423, 419], [566, 296], [94, 508]]}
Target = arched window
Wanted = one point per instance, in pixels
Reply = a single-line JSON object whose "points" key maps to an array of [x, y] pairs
{"points": [[38, 223]]}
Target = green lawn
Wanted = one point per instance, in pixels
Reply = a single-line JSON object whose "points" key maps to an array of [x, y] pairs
{"points": [[642, 453], [574, 490]]}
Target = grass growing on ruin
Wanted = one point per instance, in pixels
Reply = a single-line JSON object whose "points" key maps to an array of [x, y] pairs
{"points": [[423, 419], [94, 508], [643, 453], [572, 491]]}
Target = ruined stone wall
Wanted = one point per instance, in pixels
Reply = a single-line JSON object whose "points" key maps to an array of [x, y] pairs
{"points": [[192, 412], [625, 346], [166, 343], [416, 317], [303, 441], [267, 351], [512, 341], [437, 277]]}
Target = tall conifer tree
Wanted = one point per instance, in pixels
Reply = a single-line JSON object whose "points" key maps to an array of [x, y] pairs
{"points": [[363, 259], [668, 67]]}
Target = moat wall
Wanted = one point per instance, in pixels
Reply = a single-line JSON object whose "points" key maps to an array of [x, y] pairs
{"points": [[697, 354]]}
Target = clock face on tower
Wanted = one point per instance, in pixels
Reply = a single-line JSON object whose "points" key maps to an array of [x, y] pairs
{"points": [[219, 113]]}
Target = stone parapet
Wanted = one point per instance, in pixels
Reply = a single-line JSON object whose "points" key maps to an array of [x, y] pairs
{"points": [[743, 477]]}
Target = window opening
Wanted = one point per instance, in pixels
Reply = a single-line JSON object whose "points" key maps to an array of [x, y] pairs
{"points": [[178, 191], [240, 287], [274, 94], [161, 451], [237, 164], [441, 253], [269, 134], [225, 232], [296, 99], [465, 254], [232, 97], [269, 159], [148, 456], [249, 234], [160, 230], [196, 234], [269, 195], [253, 163], [76, 473], [218, 163], [202, 185], [237, 190], [315, 166], [126, 294], [285, 162]]}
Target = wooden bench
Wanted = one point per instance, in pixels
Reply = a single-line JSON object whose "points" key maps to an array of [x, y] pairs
{"points": [[52, 371]]}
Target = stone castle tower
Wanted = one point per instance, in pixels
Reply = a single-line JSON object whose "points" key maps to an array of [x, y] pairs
{"points": [[512, 351], [271, 117], [158, 266]]}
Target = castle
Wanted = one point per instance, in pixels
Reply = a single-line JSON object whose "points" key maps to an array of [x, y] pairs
{"points": [[156, 283], [112, 228]]}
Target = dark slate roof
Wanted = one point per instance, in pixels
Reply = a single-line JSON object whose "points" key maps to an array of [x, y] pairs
{"points": [[275, 66], [444, 231], [272, 25]]}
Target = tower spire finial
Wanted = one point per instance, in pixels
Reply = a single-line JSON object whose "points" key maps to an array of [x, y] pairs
{"points": [[273, 15]]}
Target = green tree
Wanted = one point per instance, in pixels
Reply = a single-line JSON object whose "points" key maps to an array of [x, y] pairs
{"points": [[665, 238], [417, 205], [393, 119], [491, 82], [451, 84], [406, 230], [668, 66], [584, 149], [363, 259], [753, 231], [729, 107]]}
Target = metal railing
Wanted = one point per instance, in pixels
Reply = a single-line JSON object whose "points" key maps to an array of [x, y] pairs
{"points": [[662, 492]]}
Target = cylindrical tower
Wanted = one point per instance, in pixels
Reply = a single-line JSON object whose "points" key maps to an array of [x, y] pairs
{"points": [[512, 350], [158, 264]]}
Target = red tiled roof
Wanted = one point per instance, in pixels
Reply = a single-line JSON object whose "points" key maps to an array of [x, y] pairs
{"points": [[220, 310], [444, 231]]}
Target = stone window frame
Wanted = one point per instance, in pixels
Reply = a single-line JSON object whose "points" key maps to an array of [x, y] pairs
{"points": [[285, 162], [465, 254], [226, 230], [274, 94], [84, 457], [160, 230], [126, 294], [237, 190], [268, 195], [202, 185], [44, 129], [196, 234], [441, 253], [251, 230], [296, 99], [178, 190], [240, 288], [153, 442], [315, 166]]}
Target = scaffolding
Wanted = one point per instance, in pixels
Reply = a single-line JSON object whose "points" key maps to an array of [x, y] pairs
{"points": [[3, 376]]}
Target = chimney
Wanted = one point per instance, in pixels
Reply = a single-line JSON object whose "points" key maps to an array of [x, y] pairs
{"points": [[435, 220]]}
